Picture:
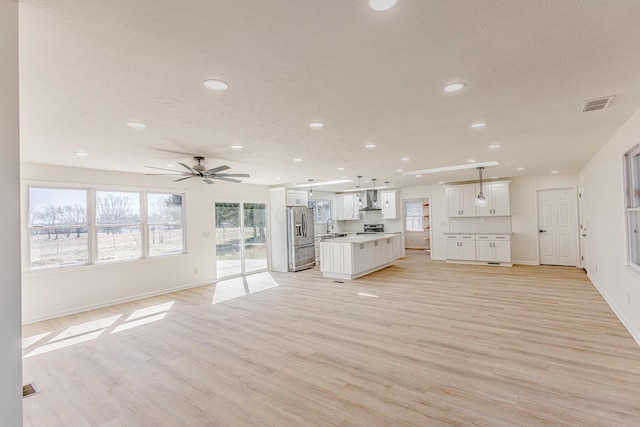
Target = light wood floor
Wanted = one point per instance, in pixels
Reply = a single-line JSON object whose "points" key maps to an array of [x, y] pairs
{"points": [[420, 343]]}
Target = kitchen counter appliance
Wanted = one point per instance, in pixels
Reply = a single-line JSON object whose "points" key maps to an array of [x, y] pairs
{"points": [[300, 238], [372, 229]]}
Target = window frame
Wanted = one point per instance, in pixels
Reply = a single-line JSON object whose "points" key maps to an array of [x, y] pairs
{"points": [[142, 197], [92, 227], [312, 204], [182, 223], [405, 216], [632, 203]]}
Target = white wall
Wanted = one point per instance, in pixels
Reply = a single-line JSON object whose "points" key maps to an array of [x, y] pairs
{"points": [[524, 219], [54, 292], [10, 328], [605, 215]]}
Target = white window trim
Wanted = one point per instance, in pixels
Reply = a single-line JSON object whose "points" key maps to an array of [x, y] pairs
{"points": [[630, 175], [91, 190]]}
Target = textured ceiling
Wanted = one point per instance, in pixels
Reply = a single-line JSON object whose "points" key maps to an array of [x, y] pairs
{"points": [[89, 66]]}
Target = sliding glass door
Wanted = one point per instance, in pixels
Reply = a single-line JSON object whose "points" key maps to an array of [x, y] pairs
{"points": [[241, 238]]}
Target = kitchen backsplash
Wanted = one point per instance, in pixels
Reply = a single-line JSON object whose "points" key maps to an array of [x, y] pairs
{"points": [[489, 224]]}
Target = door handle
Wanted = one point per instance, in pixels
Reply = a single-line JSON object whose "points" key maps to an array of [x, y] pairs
{"points": [[542, 231]]}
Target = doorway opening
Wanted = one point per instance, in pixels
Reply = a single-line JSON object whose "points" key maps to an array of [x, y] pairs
{"points": [[241, 239], [417, 224]]}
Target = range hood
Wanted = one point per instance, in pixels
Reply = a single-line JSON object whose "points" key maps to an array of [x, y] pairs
{"points": [[369, 201]]}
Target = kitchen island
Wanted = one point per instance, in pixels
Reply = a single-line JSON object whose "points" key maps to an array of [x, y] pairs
{"points": [[358, 255]]}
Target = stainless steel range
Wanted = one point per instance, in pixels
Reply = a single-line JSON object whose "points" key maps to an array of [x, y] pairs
{"points": [[373, 229]]}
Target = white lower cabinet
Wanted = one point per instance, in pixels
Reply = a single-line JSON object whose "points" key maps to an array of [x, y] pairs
{"points": [[487, 248], [348, 260], [461, 247]]}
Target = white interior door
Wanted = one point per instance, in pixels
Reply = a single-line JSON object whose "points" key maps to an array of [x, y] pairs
{"points": [[558, 227]]}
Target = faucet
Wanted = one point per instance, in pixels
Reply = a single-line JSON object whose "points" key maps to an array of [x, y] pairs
{"points": [[328, 225]]}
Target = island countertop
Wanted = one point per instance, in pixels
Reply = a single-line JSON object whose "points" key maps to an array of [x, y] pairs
{"points": [[362, 238]]}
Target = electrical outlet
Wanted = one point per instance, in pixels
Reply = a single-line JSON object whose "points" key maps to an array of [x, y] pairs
{"points": [[206, 234], [195, 270]]}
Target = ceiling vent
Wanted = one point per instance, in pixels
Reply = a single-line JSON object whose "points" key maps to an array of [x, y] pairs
{"points": [[597, 104]]}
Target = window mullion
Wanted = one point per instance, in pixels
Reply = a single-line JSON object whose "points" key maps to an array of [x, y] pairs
{"points": [[91, 226], [143, 223]]}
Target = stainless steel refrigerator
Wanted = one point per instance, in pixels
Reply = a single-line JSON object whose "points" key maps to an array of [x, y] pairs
{"points": [[301, 248]]}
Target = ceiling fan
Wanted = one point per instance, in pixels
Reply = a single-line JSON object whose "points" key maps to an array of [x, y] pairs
{"points": [[199, 171]]}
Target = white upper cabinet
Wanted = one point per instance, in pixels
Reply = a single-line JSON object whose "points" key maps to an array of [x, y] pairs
{"points": [[389, 204], [497, 195], [297, 198], [347, 208], [461, 200]]}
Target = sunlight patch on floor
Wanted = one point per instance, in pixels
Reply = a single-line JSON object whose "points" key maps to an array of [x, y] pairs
{"points": [[226, 290]]}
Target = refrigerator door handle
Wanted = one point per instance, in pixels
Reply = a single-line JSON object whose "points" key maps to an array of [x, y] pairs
{"points": [[304, 225]]}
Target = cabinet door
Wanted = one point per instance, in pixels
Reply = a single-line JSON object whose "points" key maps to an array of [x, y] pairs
{"points": [[453, 249], [468, 200], [487, 190], [397, 247], [502, 251], [484, 250], [454, 207], [339, 208], [500, 198], [325, 257], [348, 206], [391, 211], [468, 250], [292, 198]]}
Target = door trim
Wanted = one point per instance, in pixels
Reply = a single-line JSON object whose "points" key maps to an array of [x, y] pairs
{"points": [[576, 234]]}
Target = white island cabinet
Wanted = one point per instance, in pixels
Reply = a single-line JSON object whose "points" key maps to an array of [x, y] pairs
{"points": [[355, 256]]}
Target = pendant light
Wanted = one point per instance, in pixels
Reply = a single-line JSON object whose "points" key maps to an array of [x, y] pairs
{"points": [[359, 195], [386, 204], [480, 200], [310, 189], [375, 194]]}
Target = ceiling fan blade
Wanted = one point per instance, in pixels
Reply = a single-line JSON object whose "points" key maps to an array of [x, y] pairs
{"points": [[165, 174], [237, 175], [182, 179], [187, 167], [225, 179], [207, 180], [218, 169], [164, 169]]}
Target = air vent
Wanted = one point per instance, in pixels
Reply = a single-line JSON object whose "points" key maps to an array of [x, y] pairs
{"points": [[597, 104]]}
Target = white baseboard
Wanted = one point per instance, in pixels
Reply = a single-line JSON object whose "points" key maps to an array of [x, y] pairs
{"points": [[526, 262], [438, 258], [618, 313], [26, 321]]}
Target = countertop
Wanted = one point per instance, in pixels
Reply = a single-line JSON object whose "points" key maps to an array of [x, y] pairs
{"points": [[361, 238], [478, 234]]}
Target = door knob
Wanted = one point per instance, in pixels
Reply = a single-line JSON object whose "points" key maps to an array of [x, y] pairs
{"points": [[542, 231]]}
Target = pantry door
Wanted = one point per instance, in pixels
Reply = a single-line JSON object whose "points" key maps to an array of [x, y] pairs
{"points": [[558, 226]]}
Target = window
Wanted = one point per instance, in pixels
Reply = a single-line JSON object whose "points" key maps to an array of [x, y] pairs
{"points": [[64, 228], [165, 223], [118, 226], [58, 233], [321, 210], [413, 215], [632, 182]]}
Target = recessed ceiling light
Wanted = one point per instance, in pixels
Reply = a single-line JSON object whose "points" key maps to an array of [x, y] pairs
{"points": [[81, 153], [454, 87], [418, 176], [555, 171], [494, 146], [171, 165], [399, 170], [316, 125], [479, 125], [340, 168], [236, 147], [405, 159], [277, 178], [520, 168], [471, 161], [136, 125], [370, 146], [380, 5], [214, 84], [298, 159], [440, 182]]}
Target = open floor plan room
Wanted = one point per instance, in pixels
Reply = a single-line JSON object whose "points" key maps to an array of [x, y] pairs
{"points": [[420, 343]]}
